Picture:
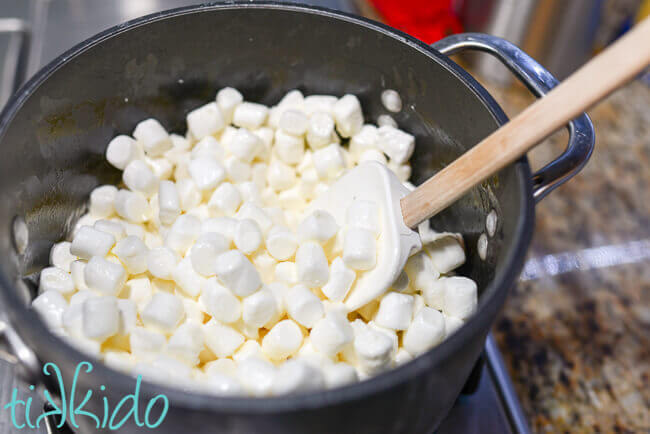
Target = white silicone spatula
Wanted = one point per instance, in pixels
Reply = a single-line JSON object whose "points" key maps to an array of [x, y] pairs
{"points": [[402, 209]]}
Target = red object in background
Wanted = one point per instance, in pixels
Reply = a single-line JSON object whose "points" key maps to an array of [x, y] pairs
{"points": [[427, 20]]}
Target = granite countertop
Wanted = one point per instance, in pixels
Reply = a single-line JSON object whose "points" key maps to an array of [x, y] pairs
{"points": [[575, 332]]}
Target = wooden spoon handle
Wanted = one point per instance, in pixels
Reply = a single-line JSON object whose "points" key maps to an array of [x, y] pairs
{"points": [[596, 79]]}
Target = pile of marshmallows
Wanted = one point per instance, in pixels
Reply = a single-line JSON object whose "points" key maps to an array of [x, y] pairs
{"points": [[203, 272]]}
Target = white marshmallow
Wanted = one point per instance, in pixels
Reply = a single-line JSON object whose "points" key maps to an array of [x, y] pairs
{"points": [[446, 254], [282, 341], [280, 176], [153, 136], [169, 202], [285, 272], [144, 343], [289, 148], [426, 331], [319, 103], [365, 215], [424, 276], [311, 264], [226, 367], [182, 234], [101, 318], [249, 210], [187, 342], [303, 306], [208, 147], [193, 310], [391, 100], [246, 145], [221, 339], [348, 115], [104, 276], [364, 140], [179, 143], [372, 155], [237, 273], [220, 302], [128, 315], [228, 99], [161, 167], [137, 176], [138, 290], [114, 228], [224, 226], [119, 360], [291, 199], [306, 163], [318, 226], [359, 249], [89, 242], [259, 308], [60, 255], [281, 243], [452, 324], [386, 120], [395, 143], [205, 121], [206, 173], [50, 305], [373, 349], [77, 272], [265, 265], [249, 349], [339, 374], [331, 334], [222, 385], [340, 281], [188, 280], [225, 200], [256, 376], [205, 250], [259, 173], [320, 130], [250, 192], [133, 254], [293, 122], [402, 171], [329, 161], [460, 296], [250, 115], [188, 193], [163, 312], [248, 236], [121, 151], [132, 206], [102, 201], [295, 376], [161, 261], [395, 311]]}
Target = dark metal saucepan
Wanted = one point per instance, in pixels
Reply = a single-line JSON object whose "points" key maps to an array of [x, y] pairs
{"points": [[54, 131]]}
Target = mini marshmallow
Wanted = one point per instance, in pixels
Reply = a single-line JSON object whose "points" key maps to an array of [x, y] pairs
{"points": [[161, 167], [104, 276], [220, 302], [137, 176], [319, 103], [280, 176], [246, 145], [102, 201], [306, 163], [50, 305], [133, 254], [208, 147], [289, 148], [365, 215], [286, 272], [320, 130], [163, 312], [311, 264], [446, 254], [259, 308], [395, 311], [182, 234], [250, 192], [331, 334], [89, 242], [114, 228], [282, 341], [205, 250], [138, 290], [228, 99], [424, 276], [364, 140], [339, 374], [206, 173], [259, 173], [395, 143], [187, 342], [222, 385], [340, 281], [348, 115], [402, 356], [265, 265], [188, 193], [452, 324], [281, 243], [319, 226], [329, 161], [132, 206], [225, 367], [188, 280], [426, 331], [460, 296], [293, 122], [250, 115], [249, 349], [224, 226], [359, 249], [205, 121], [257, 376], [402, 171], [179, 143], [295, 376], [291, 199], [121, 151], [144, 342], [101, 318], [169, 202], [303, 306], [77, 272], [372, 155], [225, 200], [237, 273], [248, 236], [161, 261], [221, 339], [391, 100], [193, 310], [386, 120], [249, 210], [60, 255], [373, 349], [128, 316], [119, 360], [153, 136]]}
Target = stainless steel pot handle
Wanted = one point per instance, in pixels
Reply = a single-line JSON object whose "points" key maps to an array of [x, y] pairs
{"points": [[539, 81]]}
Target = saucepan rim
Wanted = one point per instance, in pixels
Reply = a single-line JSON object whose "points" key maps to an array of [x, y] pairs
{"points": [[36, 333]]}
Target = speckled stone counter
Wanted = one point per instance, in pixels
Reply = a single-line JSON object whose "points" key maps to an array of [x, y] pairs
{"points": [[575, 332]]}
